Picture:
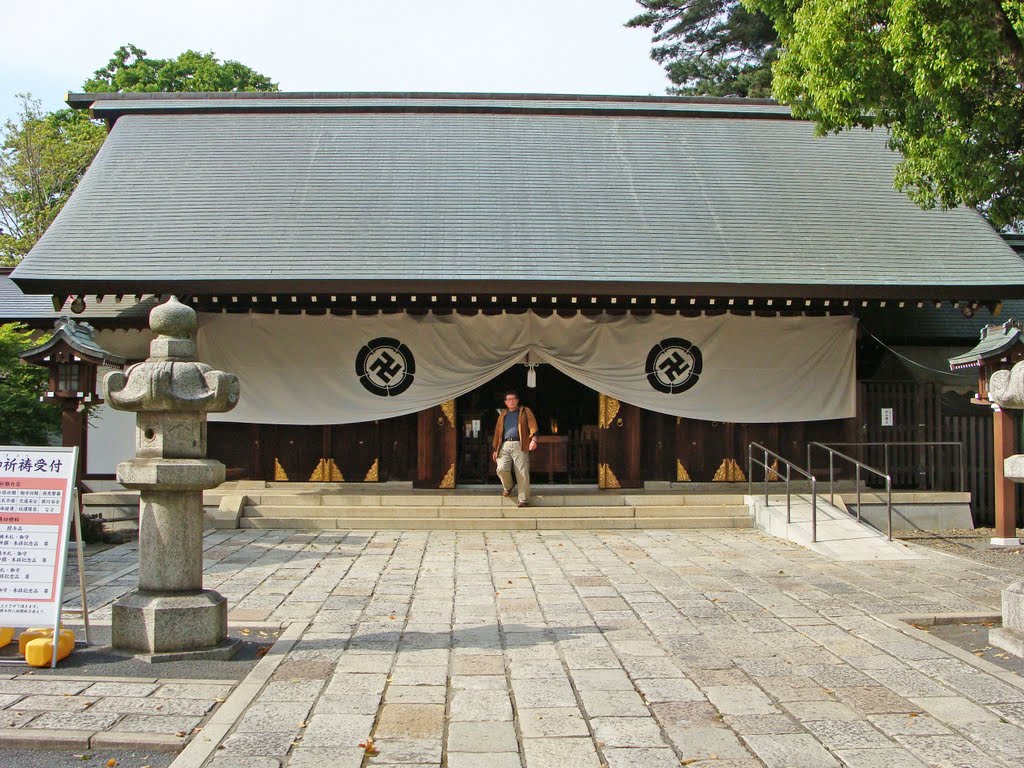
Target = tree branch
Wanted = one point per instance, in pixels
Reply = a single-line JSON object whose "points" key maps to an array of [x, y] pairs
{"points": [[1009, 36]]}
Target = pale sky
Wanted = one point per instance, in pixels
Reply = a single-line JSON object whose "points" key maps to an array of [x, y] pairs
{"points": [[535, 46]]}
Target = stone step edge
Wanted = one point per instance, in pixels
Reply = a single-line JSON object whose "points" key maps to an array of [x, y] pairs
{"points": [[471, 500], [497, 523], [505, 511]]}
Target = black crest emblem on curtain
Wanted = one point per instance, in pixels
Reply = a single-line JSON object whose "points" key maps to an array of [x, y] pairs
{"points": [[674, 365], [385, 366]]}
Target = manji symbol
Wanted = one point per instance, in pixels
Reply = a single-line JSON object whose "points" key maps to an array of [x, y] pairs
{"points": [[385, 367], [673, 365]]}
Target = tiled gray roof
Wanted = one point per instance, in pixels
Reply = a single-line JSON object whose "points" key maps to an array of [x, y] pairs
{"points": [[15, 306], [449, 193]]}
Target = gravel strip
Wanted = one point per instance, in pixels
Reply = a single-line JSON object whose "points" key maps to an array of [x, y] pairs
{"points": [[973, 545]]}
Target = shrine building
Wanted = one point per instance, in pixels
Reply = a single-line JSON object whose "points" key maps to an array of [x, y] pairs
{"points": [[677, 277]]}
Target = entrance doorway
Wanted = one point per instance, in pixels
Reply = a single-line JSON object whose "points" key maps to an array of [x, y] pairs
{"points": [[566, 414]]}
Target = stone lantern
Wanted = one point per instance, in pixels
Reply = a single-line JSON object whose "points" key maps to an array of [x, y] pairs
{"points": [[1000, 348], [170, 615], [72, 356]]}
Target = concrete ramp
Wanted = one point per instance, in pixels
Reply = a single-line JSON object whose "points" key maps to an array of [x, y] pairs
{"points": [[840, 536]]}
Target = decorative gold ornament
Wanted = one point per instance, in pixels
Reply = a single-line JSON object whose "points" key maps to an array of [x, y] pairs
{"points": [[606, 478], [729, 472], [371, 473], [326, 472], [448, 406], [320, 473], [682, 476], [773, 471], [449, 478], [607, 410], [279, 473]]}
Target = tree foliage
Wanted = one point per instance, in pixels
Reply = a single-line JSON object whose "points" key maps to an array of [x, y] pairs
{"points": [[42, 157], [24, 420], [711, 47], [944, 77], [130, 70]]}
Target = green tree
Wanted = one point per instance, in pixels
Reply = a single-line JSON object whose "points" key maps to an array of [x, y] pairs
{"points": [[711, 47], [23, 418], [130, 70], [42, 157], [945, 78]]}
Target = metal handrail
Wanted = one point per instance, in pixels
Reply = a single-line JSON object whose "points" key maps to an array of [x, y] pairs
{"points": [[789, 466], [915, 443], [832, 453]]}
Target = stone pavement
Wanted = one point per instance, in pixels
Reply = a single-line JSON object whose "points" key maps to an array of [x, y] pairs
{"points": [[729, 649]]}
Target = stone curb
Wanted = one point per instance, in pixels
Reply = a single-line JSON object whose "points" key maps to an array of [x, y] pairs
{"points": [[26, 738], [216, 728], [56, 738]]}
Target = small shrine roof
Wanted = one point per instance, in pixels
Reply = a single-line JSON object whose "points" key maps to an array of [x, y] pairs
{"points": [[995, 341]]}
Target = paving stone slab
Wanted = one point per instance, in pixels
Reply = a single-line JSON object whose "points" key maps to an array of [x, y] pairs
{"points": [[947, 750], [121, 689], [614, 704], [548, 722], [475, 760], [698, 743], [878, 758], [561, 753], [410, 721], [336, 731], [641, 758], [844, 734], [482, 737], [305, 757], [164, 724], [265, 716], [627, 732], [48, 703], [798, 750], [481, 705], [259, 744]]}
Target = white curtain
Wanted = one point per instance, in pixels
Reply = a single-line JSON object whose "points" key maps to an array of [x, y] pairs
{"points": [[300, 369]]}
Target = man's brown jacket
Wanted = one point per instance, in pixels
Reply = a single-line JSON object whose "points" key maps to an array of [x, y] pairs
{"points": [[527, 427]]}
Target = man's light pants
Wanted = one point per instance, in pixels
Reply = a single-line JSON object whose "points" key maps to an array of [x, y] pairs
{"points": [[511, 455]]}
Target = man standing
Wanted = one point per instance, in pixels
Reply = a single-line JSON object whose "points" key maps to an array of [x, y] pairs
{"points": [[516, 427]]}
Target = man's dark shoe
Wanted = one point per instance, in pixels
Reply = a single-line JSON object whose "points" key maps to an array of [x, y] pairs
{"points": [[508, 493], [523, 504]]}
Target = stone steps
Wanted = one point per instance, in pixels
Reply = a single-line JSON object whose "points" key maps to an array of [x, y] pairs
{"points": [[478, 511], [494, 523]]}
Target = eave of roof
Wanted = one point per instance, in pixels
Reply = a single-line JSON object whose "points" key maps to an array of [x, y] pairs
{"points": [[110, 106]]}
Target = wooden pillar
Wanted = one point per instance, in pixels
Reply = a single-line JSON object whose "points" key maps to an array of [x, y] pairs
{"points": [[72, 432], [1005, 490]]}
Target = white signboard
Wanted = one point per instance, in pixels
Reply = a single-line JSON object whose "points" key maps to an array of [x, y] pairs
{"points": [[887, 417], [36, 489]]}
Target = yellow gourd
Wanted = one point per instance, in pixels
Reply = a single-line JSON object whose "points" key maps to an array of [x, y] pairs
{"points": [[32, 634], [36, 645]]}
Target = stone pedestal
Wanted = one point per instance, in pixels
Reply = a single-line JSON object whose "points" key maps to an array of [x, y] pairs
{"points": [[170, 616], [1010, 636]]}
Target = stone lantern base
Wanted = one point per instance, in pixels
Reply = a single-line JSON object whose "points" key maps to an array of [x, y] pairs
{"points": [[162, 626], [1010, 636]]}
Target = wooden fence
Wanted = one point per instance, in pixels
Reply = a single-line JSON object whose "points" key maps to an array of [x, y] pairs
{"points": [[918, 416]]}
